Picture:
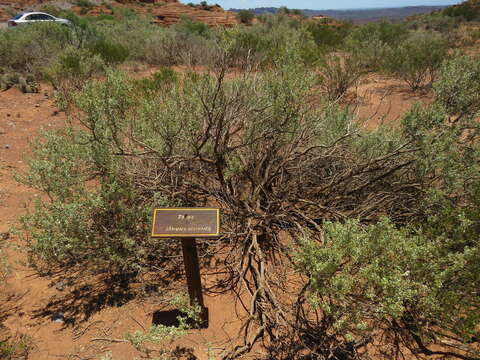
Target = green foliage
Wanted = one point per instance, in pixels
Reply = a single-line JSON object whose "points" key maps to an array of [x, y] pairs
{"points": [[371, 42], [417, 59], [466, 11], [16, 348], [435, 21], [268, 42], [189, 27], [85, 6], [25, 84], [29, 49], [374, 279], [245, 16], [458, 86], [109, 51], [328, 36], [70, 72], [101, 226], [190, 318], [164, 77], [337, 74]]}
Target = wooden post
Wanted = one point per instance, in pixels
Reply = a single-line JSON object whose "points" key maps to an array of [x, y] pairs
{"points": [[192, 269], [194, 282]]}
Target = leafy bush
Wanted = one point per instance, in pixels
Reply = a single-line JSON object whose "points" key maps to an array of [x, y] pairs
{"points": [[70, 72], [266, 43], [337, 74], [245, 16], [164, 77], [371, 42], [110, 51], [29, 49], [417, 59], [85, 6], [25, 84], [328, 36], [378, 280], [465, 11], [189, 27], [458, 86]]}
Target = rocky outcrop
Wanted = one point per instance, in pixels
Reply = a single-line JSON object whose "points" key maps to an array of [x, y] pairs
{"points": [[163, 12]]}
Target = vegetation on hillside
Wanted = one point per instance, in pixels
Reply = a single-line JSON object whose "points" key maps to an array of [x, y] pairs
{"points": [[376, 231]]}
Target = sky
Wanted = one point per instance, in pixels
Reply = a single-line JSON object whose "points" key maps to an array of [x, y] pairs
{"points": [[325, 4]]}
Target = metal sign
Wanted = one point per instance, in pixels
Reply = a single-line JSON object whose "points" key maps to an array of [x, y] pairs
{"points": [[186, 222]]}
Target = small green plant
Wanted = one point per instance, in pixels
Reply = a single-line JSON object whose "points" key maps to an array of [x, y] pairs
{"points": [[16, 347], [164, 77], [159, 333]]}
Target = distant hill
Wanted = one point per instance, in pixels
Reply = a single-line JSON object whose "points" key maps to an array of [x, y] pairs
{"points": [[360, 15]]}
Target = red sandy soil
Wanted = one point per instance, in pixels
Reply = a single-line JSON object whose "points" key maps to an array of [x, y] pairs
{"points": [[32, 298]]}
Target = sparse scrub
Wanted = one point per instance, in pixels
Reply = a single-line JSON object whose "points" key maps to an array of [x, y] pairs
{"points": [[371, 42], [417, 59], [466, 11], [31, 48], [111, 52], [25, 84], [328, 36], [338, 73], [70, 72], [85, 6], [458, 86], [245, 16]]}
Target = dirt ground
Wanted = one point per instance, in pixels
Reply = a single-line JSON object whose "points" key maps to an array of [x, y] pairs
{"points": [[90, 313]]}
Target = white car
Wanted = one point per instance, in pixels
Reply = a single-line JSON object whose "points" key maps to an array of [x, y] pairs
{"points": [[35, 17]]}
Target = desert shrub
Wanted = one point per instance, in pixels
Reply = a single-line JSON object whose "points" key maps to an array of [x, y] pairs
{"points": [[417, 59], [164, 77], [85, 6], [337, 74], [458, 86], [267, 42], [70, 72], [28, 49], [190, 317], [111, 52], [281, 166], [434, 22], [83, 32], [245, 16], [26, 84], [371, 42], [465, 11], [189, 27], [379, 280], [328, 36]]}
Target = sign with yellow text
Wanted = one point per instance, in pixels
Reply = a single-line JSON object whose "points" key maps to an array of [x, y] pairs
{"points": [[186, 222]]}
